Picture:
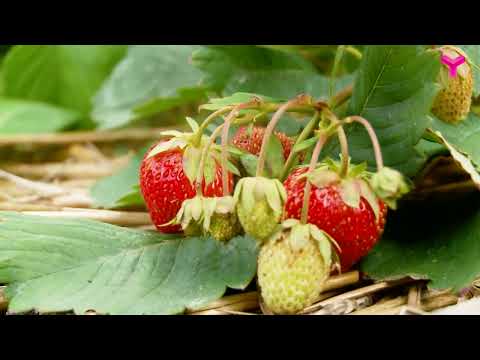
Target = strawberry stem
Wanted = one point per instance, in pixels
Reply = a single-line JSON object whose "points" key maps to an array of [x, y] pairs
{"points": [[269, 131], [224, 154], [336, 65], [342, 96], [215, 134], [342, 139], [208, 121], [226, 128], [322, 139], [303, 135], [355, 52], [373, 138]]}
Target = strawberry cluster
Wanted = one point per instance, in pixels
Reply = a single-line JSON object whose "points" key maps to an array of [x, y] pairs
{"points": [[315, 219]]}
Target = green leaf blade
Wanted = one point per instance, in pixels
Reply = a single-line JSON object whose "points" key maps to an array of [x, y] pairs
{"points": [[440, 241], [149, 80], [465, 135], [32, 117], [118, 190], [473, 53], [394, 90], [64, 75], [230, 69], [114, 270]]}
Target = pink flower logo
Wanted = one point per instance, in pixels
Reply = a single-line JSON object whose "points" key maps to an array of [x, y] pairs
{"points": [[453, 64]]}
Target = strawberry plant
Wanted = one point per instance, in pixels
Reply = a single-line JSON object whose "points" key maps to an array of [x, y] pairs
{"points": [[293, 167]]}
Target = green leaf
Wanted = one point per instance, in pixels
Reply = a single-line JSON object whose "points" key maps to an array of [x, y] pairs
{"points": [[249, 163], [322, 56], [192, 123], [233, 150], [394, 91], [231, 69], [2, 81], [274, 160], [4, 49], [465, 136], [117, 190], [134, 198], [235, 99], [428, 149], [290, 125], [304, 145], [473, 53], [57, 265], [221, 62], [31, 117], [149, 80], [232, 168], [440, 241], [284, 84], [65, 75], [462, 159]]}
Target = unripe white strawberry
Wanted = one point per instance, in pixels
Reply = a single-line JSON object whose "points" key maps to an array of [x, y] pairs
{"points": [[214, 216], [293, 266], [260, 204], [452, 103]]}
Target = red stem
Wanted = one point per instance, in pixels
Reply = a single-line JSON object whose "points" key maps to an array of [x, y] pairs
{"points": [[342, 139], [224, 153], [373, 138], [269, 131], [308, 186], [208, 121]]}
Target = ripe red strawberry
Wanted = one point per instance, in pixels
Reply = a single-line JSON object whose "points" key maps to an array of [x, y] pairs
{"points": [[252, 142], [356, 230], [165, 185]]}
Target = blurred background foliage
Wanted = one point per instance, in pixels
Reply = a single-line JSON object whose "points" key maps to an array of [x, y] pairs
{"points": [[51, 88]]}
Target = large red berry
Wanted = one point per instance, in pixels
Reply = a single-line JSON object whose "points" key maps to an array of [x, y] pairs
{"points": [[165, 186], [252, 141], [354, 229]]}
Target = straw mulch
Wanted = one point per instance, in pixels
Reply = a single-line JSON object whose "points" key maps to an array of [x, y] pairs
{"points": [[50, 175]]}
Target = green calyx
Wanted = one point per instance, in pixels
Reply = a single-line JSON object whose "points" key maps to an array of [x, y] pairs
{"points": [[298, 236], [179, 139], [193, 144], [214, 216], [353, 187], [389, 185], [260, 203], [327, 172]]}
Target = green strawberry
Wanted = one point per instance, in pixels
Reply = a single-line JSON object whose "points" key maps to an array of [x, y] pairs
{"points": [[223, 227], [211, 216], [293, 266], [260, 204], [452, 103]]}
